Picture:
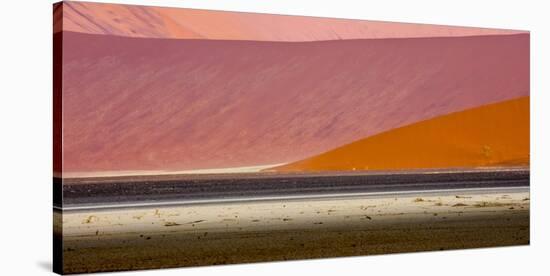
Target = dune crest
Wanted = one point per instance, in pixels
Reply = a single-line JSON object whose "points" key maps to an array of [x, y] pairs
{"points": [[490, 135], [180, 23]]}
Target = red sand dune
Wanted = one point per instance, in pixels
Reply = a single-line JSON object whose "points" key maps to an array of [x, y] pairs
{"points": [[492, 135], [160, 22], [153, 104]]}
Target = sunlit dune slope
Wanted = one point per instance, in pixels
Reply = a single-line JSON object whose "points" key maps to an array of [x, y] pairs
{"points": [[160, 22], [169, 104], [496, 134]]}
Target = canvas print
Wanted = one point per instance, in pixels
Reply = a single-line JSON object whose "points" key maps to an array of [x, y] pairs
{"points": [[187, 137]]}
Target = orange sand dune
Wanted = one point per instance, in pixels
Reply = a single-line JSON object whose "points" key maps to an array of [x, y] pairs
{"points": [[160, 22], [491, 135]]}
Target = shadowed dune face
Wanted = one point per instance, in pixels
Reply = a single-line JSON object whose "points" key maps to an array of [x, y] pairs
{"points": [[159, 22], [492, 135], [158, 104]]}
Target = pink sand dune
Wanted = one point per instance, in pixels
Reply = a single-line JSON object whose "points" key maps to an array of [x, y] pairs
{"points": [[160, 22], [154, 104]]}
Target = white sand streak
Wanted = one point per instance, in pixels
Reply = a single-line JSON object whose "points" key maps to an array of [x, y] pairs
{"points": [[287, 215]]}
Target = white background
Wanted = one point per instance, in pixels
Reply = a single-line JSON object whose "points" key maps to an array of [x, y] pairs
{"points": [[25, 133]]}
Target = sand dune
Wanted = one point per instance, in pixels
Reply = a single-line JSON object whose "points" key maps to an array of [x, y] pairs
{"points": [[496, 134], [159, 22], [134, 104]]}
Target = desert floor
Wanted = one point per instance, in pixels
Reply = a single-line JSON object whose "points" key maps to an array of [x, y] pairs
{"points": [[206, 234]]}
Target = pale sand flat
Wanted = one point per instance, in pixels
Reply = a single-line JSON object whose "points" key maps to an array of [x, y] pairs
{"points": [[277, 230], [278, 215]]}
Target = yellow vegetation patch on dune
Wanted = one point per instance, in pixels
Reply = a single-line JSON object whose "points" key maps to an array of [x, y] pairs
{"points": [[490, 135]]}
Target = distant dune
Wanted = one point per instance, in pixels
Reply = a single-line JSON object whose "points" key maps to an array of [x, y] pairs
{"points": [[491, 135], [135, 104], [160, 22]]}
